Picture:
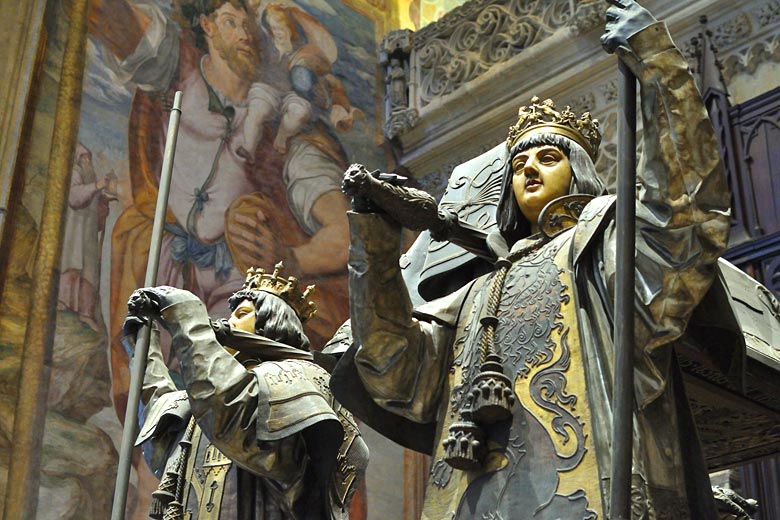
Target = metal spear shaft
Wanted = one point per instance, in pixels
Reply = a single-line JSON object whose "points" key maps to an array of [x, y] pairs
{"points": [[130, 430], [623, 382]]}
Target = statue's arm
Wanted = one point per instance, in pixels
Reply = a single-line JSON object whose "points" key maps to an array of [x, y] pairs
{"points": [[165, 410], [413, 209], [683, 199], [402, 361], [223, 395], [157, 380]]}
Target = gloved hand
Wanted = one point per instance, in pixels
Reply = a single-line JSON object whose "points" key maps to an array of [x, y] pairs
{"points": [[624, 19], [356, 180], [150, 301], [733, 506], [140, 311], [141, 305]]}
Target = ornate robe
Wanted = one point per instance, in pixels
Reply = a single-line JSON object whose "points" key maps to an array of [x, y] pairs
{"points": [[554, 334]]}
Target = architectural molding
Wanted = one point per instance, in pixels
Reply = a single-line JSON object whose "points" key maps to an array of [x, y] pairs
{"points": [[468, 75], [768, 14], [472, 39], [400, 121], [747, 59]]}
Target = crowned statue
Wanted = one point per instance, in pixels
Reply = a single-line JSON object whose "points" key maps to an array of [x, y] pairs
{"points": [[507, 381], [252, 430]]}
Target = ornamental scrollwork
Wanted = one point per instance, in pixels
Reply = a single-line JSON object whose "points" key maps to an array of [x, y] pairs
{"points": [[469, 40], [768, 14]]}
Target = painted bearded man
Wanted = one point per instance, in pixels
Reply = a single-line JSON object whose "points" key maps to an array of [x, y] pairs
{"points": [[255, 432], [227, 210], [512, 373]]}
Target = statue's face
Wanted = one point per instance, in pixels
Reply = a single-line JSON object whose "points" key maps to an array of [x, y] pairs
{"points": [[541, 174], [243, 317]]}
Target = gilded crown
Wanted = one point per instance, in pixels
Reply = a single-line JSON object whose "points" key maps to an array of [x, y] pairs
{"points": [[285, 288], [543, 118]]}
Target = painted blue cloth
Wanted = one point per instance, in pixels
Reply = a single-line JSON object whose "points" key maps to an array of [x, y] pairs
{"points": [[187, 248]]}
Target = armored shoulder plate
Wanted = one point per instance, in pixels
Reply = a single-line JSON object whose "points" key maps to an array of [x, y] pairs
{"points": [[298, 397]]}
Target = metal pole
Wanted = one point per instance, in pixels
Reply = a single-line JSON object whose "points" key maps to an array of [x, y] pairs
{"points": [[130, 430], [623, 382]]}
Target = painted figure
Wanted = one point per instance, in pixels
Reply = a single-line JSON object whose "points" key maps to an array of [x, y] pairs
{"points": [[303, 47], [255, 433], [226, 212], [85, 222], [511, 375]]}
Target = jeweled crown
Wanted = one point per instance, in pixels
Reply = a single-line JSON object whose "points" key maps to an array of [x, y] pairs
{"points": [[285, 288], [543, 118]]}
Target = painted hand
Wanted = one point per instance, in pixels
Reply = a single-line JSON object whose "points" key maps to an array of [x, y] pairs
{"points": [[253, 236], [625, 18]]}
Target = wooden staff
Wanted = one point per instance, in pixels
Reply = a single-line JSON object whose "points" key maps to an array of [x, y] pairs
{"points": [[623, 382], [138, 363]]}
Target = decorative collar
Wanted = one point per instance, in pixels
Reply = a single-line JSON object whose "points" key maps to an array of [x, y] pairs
{"points": [[253, 346], [556, 217], [562, 213]]}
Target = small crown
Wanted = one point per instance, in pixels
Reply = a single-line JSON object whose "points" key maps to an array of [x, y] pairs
{"points": [[285, 288], [543, 118]]}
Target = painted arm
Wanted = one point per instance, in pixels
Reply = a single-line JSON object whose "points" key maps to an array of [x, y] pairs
{"points": [[81, 193], [330, 210], [117, 24], [142, 40]]}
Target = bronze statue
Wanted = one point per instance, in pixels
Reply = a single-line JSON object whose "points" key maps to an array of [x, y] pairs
{"points": [[252, 431], [510, 377]]}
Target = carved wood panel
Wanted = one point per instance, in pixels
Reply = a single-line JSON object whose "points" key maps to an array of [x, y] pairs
{"points": [[756, 125]]}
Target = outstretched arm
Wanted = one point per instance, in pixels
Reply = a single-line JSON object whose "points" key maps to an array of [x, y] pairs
{"points": [[118, 24], [683, 201], [333, 236]]}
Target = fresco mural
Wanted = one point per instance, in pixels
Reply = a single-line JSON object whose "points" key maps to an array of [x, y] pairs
{"points": [[278, 98]]}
